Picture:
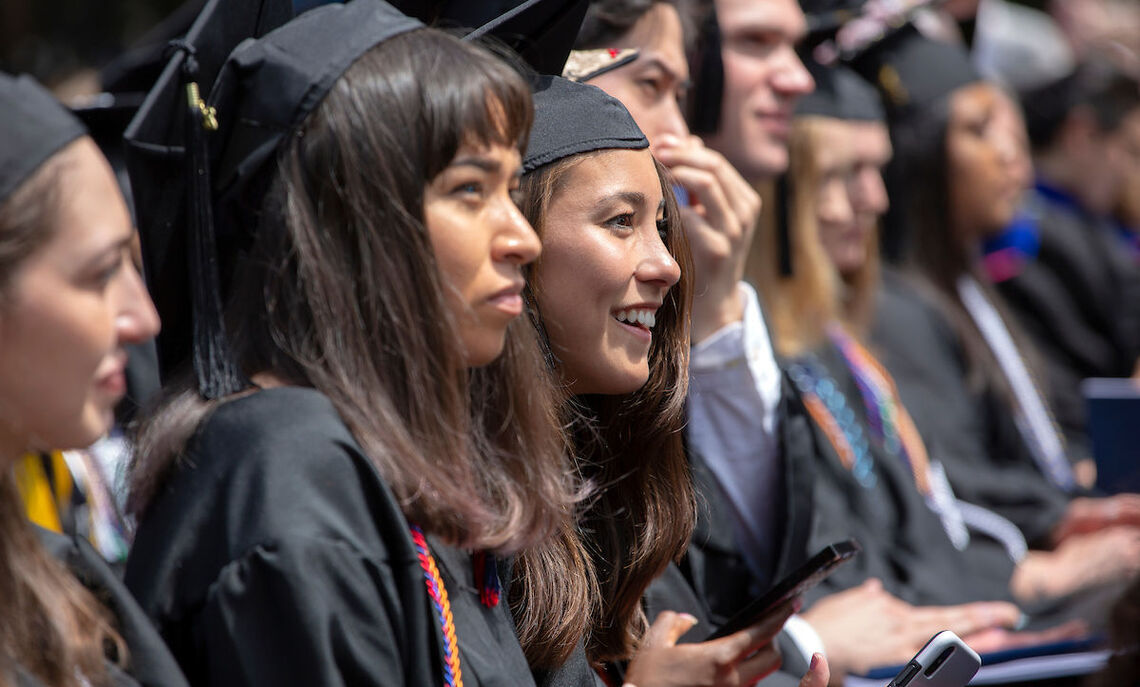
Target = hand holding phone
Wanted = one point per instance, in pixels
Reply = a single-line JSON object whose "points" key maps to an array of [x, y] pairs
{"points": [[798, 582], [945, 661]]}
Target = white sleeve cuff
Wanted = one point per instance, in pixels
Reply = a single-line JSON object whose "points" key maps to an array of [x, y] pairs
{"points": [[807, 640]]}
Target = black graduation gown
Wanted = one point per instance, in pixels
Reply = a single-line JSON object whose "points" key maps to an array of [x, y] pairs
{"points": [[277, 555], [1078, 299], [918, 562], [971, 431], [719, 580], [149, 663], [714, 564]]}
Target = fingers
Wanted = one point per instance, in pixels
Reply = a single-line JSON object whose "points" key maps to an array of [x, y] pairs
{"points": [[968, 618], [668, 628], [759, 665], [746, 641], [734, 198], [818, 674]]}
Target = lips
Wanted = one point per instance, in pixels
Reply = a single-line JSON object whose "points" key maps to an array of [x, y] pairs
{"points": [[113, 380], [509, 300]]}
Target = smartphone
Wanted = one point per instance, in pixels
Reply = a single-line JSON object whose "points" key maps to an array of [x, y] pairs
{"points": [[945, 661], [799, 581]]}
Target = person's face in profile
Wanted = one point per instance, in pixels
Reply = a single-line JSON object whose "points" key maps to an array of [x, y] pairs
{"points": [[481, 242], [605, 271], [763, 79], [69, 310], [988, 161]]}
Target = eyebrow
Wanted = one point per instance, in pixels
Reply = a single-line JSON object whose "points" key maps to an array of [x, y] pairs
{"points": [[484, 163], [654, 61], [632, 197]]}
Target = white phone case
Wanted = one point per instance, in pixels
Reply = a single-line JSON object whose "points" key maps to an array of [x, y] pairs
{"points": [[945, 661]]}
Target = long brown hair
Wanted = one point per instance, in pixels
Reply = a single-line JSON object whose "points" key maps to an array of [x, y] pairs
{"points": [[340, 291], [51, 626], [630, 447], [802, 304]]}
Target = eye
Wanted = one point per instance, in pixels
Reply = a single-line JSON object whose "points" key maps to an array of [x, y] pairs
{"points": [[624, 220], [651, 85], [517, 197], [467, 188], [103, 275]]}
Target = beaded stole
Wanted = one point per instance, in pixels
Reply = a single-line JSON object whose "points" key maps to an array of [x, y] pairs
{"points": [[825, 403], [452, 675], [889, 422]]}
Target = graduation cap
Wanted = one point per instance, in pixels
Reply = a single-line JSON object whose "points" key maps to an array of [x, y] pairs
{"points": [[840, 94], [542, 32], [572, 118], [914, 72], [179, 140], [169, 121], [34, 127]]}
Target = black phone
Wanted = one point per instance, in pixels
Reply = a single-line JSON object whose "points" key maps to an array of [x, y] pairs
{"points": [[945, 661], [799, 581]]}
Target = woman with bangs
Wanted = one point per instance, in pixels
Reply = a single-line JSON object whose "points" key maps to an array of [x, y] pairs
{"points": [[342, 517], [610, 299]]}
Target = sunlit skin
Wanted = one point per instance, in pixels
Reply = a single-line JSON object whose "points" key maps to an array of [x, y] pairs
{"points": [[720, 208], [67, 314], [481, 242], [603, 261], [652, 86], [988, 161], [1128, 203], [851, 156], [763, 79]]}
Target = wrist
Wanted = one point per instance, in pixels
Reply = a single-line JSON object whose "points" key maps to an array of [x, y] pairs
{"points": [[712, 313]]}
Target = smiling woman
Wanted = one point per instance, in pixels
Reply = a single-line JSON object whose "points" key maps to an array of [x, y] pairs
{"points": [[607, 269]]}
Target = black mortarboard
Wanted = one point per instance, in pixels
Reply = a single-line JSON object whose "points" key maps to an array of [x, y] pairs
{"points": [[914, 72], [542, 32], [572, 118], [158, 164], [840, 94], [34, 127]]}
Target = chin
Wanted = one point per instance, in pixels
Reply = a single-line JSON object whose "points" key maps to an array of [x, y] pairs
{"points": [[614, 383]]}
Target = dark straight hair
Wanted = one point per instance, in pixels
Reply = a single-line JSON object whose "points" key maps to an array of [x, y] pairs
{"points": [[920, 236], [340, 291], [629, 448]]}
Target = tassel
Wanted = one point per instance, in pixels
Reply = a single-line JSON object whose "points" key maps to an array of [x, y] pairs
{"points": [[217, 373], [783, 230], [486, 573]]}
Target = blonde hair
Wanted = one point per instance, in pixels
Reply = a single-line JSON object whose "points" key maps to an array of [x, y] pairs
{"points": [[799, 306]]}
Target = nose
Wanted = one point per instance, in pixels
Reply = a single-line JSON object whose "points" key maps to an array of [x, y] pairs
{"points": [[790, 77], [657, 266], [515, 240], [870, 193], [834, 205], [136, 320], [670, 120]]}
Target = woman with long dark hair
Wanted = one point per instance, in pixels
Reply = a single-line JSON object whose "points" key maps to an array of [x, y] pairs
{"points": [[610, 300], [70, 301], [341, 517], [964, 370]]}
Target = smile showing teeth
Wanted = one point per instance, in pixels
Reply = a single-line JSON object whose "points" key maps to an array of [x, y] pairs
{"points": [[634, 316]]}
